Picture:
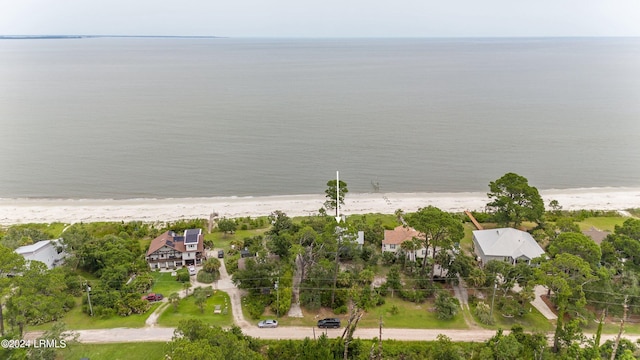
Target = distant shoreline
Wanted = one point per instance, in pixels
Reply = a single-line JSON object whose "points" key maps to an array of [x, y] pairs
{"points": [[19, 211], [53, 37]]}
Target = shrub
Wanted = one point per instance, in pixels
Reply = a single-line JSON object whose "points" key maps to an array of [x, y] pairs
{"points": [[340, 310], [446, 306], [388, 258], [283, 303], [182, 275], [205, 277], [255, 305], [395, 310], [483, 313]]}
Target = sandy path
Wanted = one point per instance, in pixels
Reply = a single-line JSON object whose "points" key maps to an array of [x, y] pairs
{"points": [[235, 296]]}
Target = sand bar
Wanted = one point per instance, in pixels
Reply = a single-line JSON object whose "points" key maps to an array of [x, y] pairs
{"points": [[20, 211]]}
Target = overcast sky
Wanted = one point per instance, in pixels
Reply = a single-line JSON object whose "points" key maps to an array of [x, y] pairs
{"points": [[322, 18]]}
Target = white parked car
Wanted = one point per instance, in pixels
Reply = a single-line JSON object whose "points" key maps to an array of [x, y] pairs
{"points": [[270, 323], [192, 270]]}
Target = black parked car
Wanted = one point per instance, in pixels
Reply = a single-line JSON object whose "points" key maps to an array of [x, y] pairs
{"points": [[220, 254], [329, 323]]}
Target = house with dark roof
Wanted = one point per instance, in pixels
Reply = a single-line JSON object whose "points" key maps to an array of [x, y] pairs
{"points": [[171, 250], [505, 244]]}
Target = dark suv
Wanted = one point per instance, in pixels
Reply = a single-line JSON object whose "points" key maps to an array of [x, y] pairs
{"points": [[329, 323]]}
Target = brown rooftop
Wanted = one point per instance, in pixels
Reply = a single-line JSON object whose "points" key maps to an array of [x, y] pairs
{"points": [[399, 235]]}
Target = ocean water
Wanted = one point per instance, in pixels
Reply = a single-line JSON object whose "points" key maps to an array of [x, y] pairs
{"points": [[166, 117]]}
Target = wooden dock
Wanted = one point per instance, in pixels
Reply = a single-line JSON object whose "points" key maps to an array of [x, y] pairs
{"points": [[473, 220]]}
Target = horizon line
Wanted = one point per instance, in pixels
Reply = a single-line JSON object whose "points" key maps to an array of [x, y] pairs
{"points": [[77, 36]]}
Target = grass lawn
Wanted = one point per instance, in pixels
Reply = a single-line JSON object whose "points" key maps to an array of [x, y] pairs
{"points": [[164, 283], [531, 321], [187, 309], [77, 320], [222, 241], [410, 316], [143, 350], [466, 243], [612, 326], [602, 223]]}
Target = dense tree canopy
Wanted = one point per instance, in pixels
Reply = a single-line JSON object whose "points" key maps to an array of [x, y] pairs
{"points": [[438, 230], [576, 244], [193, 339], [514, 200]]}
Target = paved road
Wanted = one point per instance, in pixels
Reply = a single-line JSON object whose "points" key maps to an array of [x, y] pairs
{"points": [[161, 334], [121, 335]]}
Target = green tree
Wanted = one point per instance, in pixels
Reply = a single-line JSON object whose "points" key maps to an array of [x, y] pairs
{"points": [[630, 228], [438, 230], [446, 306], [393, 279], [211, 265], [335, 195], [20, 235], [174, 299], [227, 226], [567, 224], [186, 286], [514, 200], [577, 244], [11, 264], [483, 312], [195, 340], [40, 296], [257, 275], [565, 275], [200, 296], [58, 333], [280, 236], [281, 223], [445, 349]]}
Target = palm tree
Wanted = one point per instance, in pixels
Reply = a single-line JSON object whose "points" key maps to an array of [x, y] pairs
{"points": [[174, 298], [186, 287], [410, 247]]}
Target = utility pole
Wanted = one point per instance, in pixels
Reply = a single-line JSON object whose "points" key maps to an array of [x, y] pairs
{"points": [[493, 298], [339, 235], [89, 299], [380, 340], [337, 266], [277, 298], [624, 317]]}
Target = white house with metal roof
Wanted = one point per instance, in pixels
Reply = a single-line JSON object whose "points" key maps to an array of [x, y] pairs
{"points": [[50, 252], [505, 244]]}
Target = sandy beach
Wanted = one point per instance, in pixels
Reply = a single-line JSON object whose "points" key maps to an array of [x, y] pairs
{"points": [[20, 211]]}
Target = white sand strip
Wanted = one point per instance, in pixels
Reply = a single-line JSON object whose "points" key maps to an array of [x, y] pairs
{"points": [[19, 211]]}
